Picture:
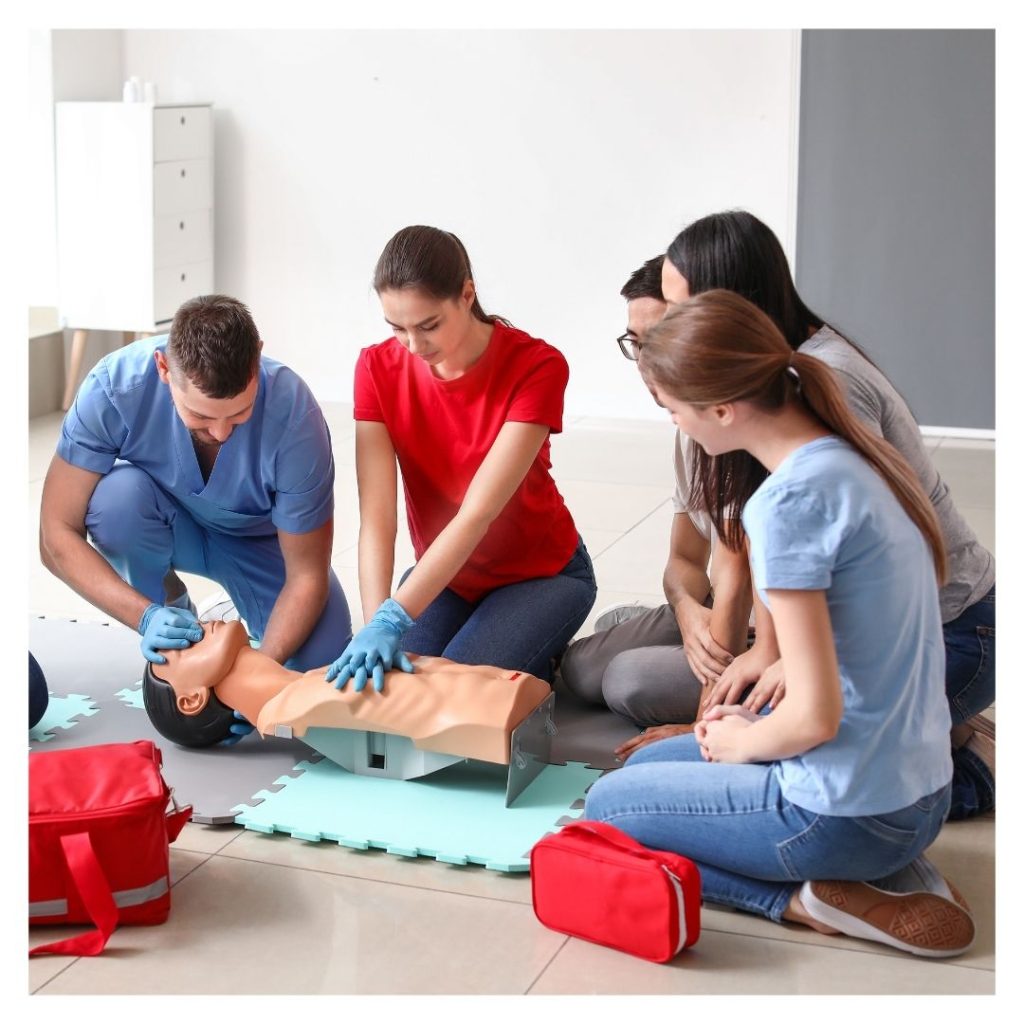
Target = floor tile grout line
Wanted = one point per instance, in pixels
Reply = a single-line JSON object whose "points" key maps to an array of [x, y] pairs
{"points": [[377, 881], [886, 951], [544, 969], [77, 958], [56, 976], [635, 526]]}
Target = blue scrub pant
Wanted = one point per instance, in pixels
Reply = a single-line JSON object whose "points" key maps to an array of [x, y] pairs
{"points": [[143, 532]]}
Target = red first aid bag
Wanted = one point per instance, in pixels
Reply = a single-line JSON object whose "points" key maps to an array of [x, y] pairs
{"points": [[98, 837], [594, 882]]}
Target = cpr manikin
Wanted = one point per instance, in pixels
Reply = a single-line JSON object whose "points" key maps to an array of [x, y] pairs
{"points": [[442, 713]]}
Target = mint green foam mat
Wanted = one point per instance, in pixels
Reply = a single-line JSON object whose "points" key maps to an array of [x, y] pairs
{"points": [[457, 815]]}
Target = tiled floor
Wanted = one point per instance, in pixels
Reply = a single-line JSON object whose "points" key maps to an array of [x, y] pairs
{"points": [[270, 914]]}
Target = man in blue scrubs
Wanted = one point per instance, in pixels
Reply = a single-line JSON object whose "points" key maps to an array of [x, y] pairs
{"points": [[191, 452]]}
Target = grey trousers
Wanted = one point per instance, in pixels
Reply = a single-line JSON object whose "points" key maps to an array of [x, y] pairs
{"points": [[637, 668]]}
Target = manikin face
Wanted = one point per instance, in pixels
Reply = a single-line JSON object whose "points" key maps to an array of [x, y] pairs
{"points": [[710, 426], [674, 286], [210, 421], [193, 671], [434, 330]]}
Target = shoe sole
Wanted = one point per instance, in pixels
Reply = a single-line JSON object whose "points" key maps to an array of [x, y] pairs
{"points": [[920, 923]]}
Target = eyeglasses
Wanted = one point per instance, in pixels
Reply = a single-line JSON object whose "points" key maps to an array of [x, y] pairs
{"points": [[629, 346]]}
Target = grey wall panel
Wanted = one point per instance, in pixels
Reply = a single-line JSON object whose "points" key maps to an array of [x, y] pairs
{"points": [[896, 208]]}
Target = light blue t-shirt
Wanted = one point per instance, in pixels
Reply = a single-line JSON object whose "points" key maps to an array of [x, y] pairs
{"points": [[825, 520], [275, 471]]}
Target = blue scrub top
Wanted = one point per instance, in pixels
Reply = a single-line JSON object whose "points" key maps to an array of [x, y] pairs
{"points": [[275, 471]]}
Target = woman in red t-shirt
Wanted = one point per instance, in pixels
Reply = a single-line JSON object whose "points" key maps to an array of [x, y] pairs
{"points": [[464, 403]]}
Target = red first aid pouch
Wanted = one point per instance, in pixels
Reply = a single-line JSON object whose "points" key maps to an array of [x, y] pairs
{"points": [[594, 882], [98, 837]]}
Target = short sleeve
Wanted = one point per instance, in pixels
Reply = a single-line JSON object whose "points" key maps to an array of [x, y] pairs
{"points": [[304, 487], [794, 544], [540, 396], [366, 402], [93, 431], [681, 496]]}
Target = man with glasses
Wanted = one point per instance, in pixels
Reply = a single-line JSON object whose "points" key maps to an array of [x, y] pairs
{"points": [[654, 665]]}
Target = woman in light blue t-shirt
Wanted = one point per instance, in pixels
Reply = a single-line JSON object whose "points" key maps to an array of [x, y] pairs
{"points": [[819, 812]]}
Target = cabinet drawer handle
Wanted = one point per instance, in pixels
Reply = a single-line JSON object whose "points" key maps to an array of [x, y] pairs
{"points": [[181, 225], [183, 172], [183, 277], [182, 118]]}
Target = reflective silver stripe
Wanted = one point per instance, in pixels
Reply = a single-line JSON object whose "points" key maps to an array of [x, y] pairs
{"points": [[47, 908], [133, 897], [124, 898]]}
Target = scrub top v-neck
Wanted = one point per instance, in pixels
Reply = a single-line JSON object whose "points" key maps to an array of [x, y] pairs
{"points": [[274, 472]]}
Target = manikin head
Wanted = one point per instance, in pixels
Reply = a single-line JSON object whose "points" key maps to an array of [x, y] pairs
{"points": [[211, 365], [179, 696]]}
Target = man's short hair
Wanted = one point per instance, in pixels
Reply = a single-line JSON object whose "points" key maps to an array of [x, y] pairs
{"points": [[645, 283], [215, 344]]}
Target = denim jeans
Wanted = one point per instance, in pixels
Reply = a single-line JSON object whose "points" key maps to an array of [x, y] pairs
{"points": [[523, 626], [970, 688], [752, 846]]}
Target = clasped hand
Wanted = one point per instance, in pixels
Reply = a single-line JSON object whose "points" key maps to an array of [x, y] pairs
{"points": [[719, 733], [374, 650]]}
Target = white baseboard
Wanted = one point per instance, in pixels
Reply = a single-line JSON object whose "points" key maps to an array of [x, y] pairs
{"points": [[964, 432]]}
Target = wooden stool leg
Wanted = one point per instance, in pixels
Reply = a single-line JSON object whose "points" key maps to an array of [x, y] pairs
{"points": [[74, 368]]}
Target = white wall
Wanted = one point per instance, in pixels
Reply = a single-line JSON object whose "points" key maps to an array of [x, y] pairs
{"points": [[562, 158], [42, 271]]}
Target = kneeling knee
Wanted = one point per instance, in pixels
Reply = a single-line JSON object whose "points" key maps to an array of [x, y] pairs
{"points": [[121, 501]]}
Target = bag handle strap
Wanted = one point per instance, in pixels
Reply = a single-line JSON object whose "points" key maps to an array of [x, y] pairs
{"points": [[94, 890], [619, 839], [613, 836]]}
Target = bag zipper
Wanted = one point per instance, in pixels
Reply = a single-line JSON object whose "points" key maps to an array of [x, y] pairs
{"points": [[677, 886]]}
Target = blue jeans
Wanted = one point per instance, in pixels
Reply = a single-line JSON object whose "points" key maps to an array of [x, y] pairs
{"points": [[971, 687], [753, 847], [143, 532], [522, 626]]}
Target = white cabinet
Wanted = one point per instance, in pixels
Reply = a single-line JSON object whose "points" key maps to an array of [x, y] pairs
{"points": [[134, 212]]}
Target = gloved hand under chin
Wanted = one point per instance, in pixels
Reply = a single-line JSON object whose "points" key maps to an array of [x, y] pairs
{"points": [[165, 628], [374, 650]]}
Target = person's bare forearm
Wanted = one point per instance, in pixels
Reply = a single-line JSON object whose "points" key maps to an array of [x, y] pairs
{"points": [[376, 563], [686, 585], [70, 557], [441, 561], [730, 614], [296, 612]]}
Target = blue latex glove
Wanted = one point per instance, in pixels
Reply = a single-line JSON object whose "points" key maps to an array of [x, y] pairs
{"points": [[238, 729], [374, 650], [165, 628]]}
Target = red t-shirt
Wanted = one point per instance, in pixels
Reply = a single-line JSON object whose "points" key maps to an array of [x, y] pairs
{"points": [[441, 431]]}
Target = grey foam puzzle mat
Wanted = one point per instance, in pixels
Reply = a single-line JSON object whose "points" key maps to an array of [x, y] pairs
{"points": [[103, 663]]}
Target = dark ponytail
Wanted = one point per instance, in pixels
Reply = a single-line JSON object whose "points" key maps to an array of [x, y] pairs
{"points": [[430, 260]]}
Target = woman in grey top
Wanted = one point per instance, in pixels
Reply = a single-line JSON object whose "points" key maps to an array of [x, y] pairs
{"points": [[737, 251]]}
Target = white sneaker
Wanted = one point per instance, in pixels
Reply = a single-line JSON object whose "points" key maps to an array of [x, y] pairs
{"points": [[616, 613], [218, 608], [932, 920]]}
